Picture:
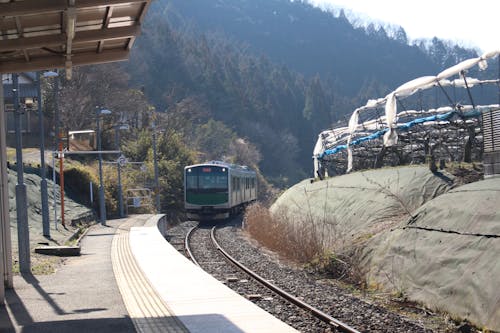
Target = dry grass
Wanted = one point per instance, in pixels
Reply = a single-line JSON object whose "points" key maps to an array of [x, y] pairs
{"points": [[302, 240], [295, 241]]}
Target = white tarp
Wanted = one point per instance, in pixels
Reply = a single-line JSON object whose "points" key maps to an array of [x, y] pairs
{"points": [[353, 124], [407, 89], [390, 138], [454, 70]]}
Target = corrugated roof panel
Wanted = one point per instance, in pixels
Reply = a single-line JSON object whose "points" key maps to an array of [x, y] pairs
{"points": [[491, 131]]}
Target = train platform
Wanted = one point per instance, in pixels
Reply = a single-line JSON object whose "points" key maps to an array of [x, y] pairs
{"points": [[130, 279]]}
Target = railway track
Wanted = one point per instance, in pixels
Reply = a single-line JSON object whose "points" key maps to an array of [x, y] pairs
{"points": [[332, 323], [321, 292]]}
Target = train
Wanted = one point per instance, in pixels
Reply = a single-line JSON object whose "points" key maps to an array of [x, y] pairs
{"points": [[217, 190]]}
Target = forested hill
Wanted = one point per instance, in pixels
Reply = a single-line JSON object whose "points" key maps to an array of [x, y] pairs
{"points": [[272, 72], [312, 41]]}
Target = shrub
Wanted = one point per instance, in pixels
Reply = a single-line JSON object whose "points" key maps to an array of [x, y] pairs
{"points": [[77, 178]]}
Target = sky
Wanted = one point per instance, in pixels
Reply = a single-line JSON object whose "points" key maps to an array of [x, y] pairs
{"points": [[468, 23]]}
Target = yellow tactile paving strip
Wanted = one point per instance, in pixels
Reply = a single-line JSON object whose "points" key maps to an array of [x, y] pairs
{"points": [[146, 309]]}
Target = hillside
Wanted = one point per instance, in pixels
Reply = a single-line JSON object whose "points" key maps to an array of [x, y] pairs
{"points": [[310, 40], [416, 234], [58, 235], [274, 73]]}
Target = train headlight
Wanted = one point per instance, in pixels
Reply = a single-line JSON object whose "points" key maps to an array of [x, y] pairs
{"points": [[223, 169]]}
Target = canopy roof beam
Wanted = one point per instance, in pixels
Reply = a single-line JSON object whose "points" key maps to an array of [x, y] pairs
{"points": [[64, 33], [37, 7], [26, 43]]}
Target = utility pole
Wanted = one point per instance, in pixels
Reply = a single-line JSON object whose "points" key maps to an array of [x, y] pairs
{"points": [[21, 198], [61, 178], [102, 202], [56, 145], [43, 169]]}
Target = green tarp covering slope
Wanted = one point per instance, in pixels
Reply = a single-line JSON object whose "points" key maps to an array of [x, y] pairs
{"points": [[448, 256], [359, 205], [57, 236], [420, 237]]}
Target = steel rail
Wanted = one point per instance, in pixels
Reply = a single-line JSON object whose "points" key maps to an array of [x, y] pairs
{"points": [[188, 248], [315, 312]]}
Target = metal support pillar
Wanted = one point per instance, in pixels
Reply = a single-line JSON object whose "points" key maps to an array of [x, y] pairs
{"points": [[21, 197], [118, 165], [120, 192], [102, 203], [43, 169], [155, 162], [5, 242], [56, 143]]}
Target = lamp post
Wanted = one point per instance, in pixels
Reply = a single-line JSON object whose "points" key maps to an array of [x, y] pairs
{"points": [[43, 169], [102, 203], [21, 198], [118, 128]]}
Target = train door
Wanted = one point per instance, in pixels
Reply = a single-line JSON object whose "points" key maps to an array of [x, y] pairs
{"points": [[244, 189], [233, 191], [237, 189]]}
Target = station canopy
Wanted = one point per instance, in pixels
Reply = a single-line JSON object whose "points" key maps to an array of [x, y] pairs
{"points": [[49, 34]]}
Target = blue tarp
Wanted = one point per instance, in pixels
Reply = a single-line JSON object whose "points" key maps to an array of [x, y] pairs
{"points": [[402, 127]]}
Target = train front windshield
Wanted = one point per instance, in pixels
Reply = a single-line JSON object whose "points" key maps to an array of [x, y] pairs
{"points": [[207, 185]]}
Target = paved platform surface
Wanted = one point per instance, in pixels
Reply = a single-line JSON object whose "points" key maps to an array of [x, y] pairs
{"points": [[82, 296], [200, 302], [129, 279]]}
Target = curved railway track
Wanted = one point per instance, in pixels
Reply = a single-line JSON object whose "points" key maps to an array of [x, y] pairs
{"points": [[367, 313], [334, 323]]}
